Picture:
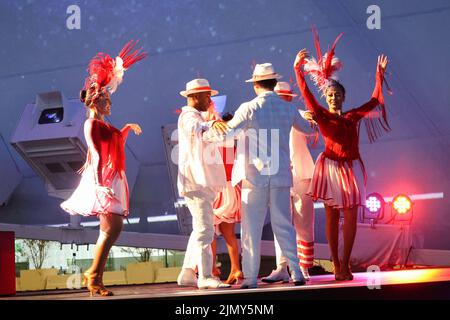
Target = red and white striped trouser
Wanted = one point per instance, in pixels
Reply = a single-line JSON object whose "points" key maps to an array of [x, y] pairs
{"points": [[303, 220], [305, 252]]}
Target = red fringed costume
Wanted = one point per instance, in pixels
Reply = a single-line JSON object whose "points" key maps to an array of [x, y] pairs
{"points": [[339, 174], [105, 163]]}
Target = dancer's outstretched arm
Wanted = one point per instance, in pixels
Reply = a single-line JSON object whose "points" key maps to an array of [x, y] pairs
{"points": [[310, 101], [301, 124], [377, 95], [208, 131], [126, 129], [241, 117]]}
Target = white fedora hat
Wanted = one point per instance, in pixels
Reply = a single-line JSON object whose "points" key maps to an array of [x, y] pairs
{"points": [[198, 85], [284, 89], [262, 72]]}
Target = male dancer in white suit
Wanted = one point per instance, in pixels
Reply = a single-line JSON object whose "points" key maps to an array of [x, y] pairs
{"points": [[200, 177], [265, 173], [302, 204]]}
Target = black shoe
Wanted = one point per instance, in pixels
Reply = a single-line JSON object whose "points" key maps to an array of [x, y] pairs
{"points": [[299, 282]]}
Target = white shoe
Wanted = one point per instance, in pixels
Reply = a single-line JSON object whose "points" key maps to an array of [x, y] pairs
{"points": [[277, 276], [187, 278], [305, 272], [211, 283]]}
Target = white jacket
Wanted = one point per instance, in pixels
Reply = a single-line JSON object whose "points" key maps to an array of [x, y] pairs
{"points": [[200, 164]]}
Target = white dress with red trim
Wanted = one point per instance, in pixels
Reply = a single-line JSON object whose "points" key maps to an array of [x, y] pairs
{"points": [[86, 200]]}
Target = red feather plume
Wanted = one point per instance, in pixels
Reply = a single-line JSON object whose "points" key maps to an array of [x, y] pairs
{"points": [[100, 70], [103, 71], [130, 55]]}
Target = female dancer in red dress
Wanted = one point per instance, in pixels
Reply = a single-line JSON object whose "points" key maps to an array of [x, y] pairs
{"points": [[339, 175], [227, 208], [103, 189]]}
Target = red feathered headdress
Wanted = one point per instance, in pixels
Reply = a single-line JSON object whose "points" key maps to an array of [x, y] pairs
{"points": [[104, 72], [324, 68]]}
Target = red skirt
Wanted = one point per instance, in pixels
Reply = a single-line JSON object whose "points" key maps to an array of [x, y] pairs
{"points": [[227, 205], [339, 184]]}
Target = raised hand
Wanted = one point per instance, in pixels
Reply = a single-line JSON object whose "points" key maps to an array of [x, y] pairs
{"points": [[309, 116], [300, 58], [135, 127], [220, 126], [382, 63]]}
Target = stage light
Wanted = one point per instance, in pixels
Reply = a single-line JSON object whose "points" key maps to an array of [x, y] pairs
{"points": [[402, 208], [374, 202], [54, 115], [402, 204], [374, 208]]}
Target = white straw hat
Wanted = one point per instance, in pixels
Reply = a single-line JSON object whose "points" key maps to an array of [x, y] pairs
{"points": [[284, 89], [262, 72], [198, 85]]}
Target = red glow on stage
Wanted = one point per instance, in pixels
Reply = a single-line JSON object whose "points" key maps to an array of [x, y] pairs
{"points": [[412, 276]]}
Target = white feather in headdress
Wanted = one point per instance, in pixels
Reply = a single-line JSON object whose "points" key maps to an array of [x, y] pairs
{"points": [[317, 74], [323, 69]]}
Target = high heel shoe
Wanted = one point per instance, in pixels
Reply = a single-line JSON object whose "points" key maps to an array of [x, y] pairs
{"points": [[338, 275], [234, 277], [103, 291], [94, 285], [347, 274], [344, 275]]}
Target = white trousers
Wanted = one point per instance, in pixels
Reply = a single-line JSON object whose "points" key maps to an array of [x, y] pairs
{"points": [[255, 202], [303, 218], [198, 251]]}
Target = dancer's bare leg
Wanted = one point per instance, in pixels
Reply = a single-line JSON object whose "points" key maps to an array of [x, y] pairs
{"points": [[215, 270], [110, 227], [332, 232], [227, 229], [350, 223]]}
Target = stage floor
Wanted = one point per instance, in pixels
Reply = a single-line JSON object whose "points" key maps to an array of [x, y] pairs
{"points": [[402, 284]]}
